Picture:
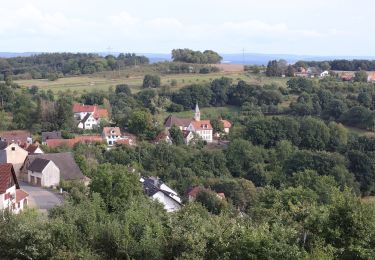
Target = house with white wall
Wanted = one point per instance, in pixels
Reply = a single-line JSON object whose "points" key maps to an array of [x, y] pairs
{"points": [[43, 173], [88, 116], [201, 128], [14, 154], [159, 191], [12, 198]]}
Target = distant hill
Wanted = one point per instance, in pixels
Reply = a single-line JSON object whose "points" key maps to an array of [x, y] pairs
{"points": [[235, 58]]}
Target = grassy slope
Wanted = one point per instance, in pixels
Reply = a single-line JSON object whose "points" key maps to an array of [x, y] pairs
{"points": [[134, 78]]}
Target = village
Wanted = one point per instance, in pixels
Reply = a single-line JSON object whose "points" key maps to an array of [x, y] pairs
{"points": [[26, 171]]}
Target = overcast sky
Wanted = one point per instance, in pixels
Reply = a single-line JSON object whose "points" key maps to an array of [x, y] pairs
{"points": [[319, 27]]}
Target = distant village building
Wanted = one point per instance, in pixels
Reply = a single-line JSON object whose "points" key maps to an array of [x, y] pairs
{"points": [[14, 154], [113, 136], [12, 198], [202, 128], [324, 74], [193, 192], [50, 136], [34, 149], [21, 137], [88, 116], [69, 170], [371, 77], [159, 191], [44, 173]]}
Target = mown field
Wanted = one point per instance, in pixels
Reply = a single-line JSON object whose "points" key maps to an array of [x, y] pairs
{"points": [[107, 80]]}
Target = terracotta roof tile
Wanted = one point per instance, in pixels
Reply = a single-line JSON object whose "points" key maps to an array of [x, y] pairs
{"points": [[78, 108], [6, 173], [20, 195], [202, 125], [226, 123]]}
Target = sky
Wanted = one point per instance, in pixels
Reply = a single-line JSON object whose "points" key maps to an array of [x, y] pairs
{"points": [[319, 27]]}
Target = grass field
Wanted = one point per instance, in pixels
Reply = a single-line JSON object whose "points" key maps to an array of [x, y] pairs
{"points": [[360, 131], [104, 81]]}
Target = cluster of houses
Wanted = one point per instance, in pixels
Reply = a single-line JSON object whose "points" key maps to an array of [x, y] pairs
{"points": [[23, 160], [311, 72], [194, 127]]}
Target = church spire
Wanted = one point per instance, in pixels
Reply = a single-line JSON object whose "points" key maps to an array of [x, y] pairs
{"points": [[197, 114]]}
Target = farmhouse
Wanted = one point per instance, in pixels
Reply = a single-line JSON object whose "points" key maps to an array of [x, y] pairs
{"points": [[34, 148], [87, 116], [69, 170], [12, 198], [43, 172]]}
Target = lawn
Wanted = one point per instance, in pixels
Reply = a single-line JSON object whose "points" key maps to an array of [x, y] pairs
{"points": [[104, 81], [360, 131]]}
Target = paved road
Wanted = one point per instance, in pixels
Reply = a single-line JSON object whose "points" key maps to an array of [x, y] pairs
{"points": [[40, 198]]}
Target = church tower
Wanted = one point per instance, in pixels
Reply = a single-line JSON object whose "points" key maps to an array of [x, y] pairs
{"points": [[197, 114]]}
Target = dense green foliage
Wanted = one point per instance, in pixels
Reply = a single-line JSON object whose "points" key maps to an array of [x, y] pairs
{"points": [[190, 56], [52, 65]]}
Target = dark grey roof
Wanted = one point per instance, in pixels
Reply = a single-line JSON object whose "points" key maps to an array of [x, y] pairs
{"points": [[69, 169], [85, 118], [3, 145], [38, 165], [51, 135], [173, 120], [151, 186]]}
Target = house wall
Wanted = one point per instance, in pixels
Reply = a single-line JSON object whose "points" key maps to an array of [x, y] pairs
{"points": [[6, 203], [169, 204], [49, 177], [20, 207], [38, 151], [16, 157]]}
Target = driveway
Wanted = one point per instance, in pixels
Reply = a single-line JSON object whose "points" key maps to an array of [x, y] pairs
{"points": [[40, 198]]}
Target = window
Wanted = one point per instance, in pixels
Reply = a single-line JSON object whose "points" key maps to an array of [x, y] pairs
{"points": [[13, 148]]}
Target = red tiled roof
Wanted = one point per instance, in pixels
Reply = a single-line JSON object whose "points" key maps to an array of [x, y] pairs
{"points": [[78, 108], [202, 125], [53, 143], [226, 123], [221, 195], [161, 137], [6, 172], [173, 120], [193, 192], [125, 142], [20, 195], [18, 136], [108, 131], [101, 113]]}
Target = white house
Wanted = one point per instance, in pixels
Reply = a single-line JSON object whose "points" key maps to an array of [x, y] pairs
{"points": [[12, 198], [324, 74], [88, 116], [111, 135], [44, 173], [34, 149], [88, 122], [14, 154], [159, 191], [201, 128]]}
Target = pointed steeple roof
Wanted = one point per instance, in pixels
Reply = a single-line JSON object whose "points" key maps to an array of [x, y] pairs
{"points": [[196, 108]]}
